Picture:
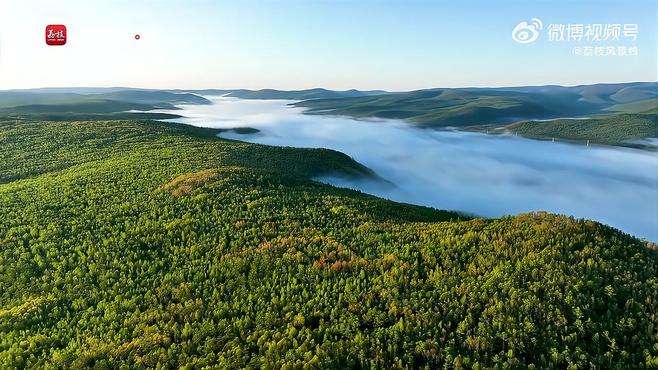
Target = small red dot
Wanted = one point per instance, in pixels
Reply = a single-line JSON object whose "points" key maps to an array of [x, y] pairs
{"points": [[137, 37]]}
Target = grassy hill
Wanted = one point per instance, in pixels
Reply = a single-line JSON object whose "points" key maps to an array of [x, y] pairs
{"points": [[488, 106], [68, 116], [142, 244], [150, 98], [518, 109], [62, 104], [87, 106], [460, 107], [612, 130], [640, 106], [454, 107]]}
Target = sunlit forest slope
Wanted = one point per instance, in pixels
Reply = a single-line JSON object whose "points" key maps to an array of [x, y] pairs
{"points": [[142, 244]]}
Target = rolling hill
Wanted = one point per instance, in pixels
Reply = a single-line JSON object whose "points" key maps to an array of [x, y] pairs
{"points": [[154, 98], [134, 244], [623, 129], [487, 106], [63, 104], [270, 94], [465, 108]]}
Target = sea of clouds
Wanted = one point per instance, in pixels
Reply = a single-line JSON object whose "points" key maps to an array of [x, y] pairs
{"points": [[487, 175]]}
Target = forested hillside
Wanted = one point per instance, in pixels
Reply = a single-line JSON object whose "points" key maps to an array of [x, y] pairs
{"points": [[460, 107], [95, 104], [620, 129], [141, 244]]}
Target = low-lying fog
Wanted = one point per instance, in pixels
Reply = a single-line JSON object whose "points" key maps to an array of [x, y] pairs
{"points": [[481, 174]]}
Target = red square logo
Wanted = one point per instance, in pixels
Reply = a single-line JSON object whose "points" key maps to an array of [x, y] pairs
{"points": [[55, 34]]}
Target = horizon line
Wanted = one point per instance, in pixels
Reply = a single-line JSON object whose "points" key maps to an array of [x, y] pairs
{"points": [[322, 88]]}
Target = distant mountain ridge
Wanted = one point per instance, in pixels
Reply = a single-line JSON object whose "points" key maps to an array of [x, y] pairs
{"points": [[272, 94], [460, 107], [467, 107], [595, 94], [155, 98], [92, 103]]}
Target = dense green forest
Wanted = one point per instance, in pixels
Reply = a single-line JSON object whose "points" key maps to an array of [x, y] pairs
{"points": [[614, 130], [130, 244]]}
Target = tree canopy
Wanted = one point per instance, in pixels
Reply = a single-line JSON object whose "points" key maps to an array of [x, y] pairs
{"points": [[129, 244]]}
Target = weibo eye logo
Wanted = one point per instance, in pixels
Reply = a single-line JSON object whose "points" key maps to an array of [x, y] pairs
{"points": [[527, 33], [55, 34]]}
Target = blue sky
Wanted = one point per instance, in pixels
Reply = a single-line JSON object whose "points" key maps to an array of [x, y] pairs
{"points": [[393, 45]]}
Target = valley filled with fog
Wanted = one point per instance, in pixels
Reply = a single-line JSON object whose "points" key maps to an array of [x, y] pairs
{"points": [[485, 175]]}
